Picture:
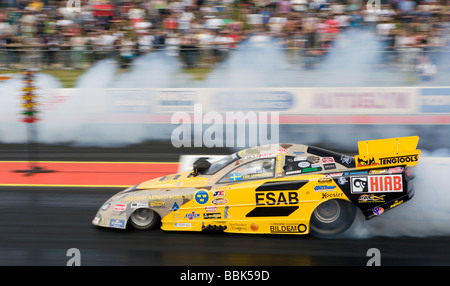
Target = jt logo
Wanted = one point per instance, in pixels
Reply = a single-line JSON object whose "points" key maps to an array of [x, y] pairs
{"points": [[74, 5], [373, 5], [76, 257], [376, 257]]}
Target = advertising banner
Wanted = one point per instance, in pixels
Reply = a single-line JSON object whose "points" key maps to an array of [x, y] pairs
{"points": [[435, 100], [344, 105]]}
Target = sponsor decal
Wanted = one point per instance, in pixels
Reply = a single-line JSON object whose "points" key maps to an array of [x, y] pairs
{"points": [[324, 188], [395, 170], [238, 226], [182, 224], [118, 223], [250, 157], [388, 160], [219, 201], [304, 164], [329, 166], [371, 199], [266, 155], [225, 212], [296, 165], [378, 210], [201, 197], [192, 215], [396, 203], [328, 160], [157, 204], [324, 180], [383, 171], [276, 198], [293, 172], [355, 173], [279, 170], [300, 159], [374, 184], [346, 160], [366, 163], [219, 194], [257, 175], [120, 207], [254, 227], [334, 175], [138, 205], [399, 159], [235, 177], [314, 169], [287, 228], [106, 206], [176, 216], [175, 207], [212, 216], [332, 195], [342, 181], [210, 209], [157, 197], [314, 159]]}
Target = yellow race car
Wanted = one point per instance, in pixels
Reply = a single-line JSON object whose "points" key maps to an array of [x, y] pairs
{"points": [[282, 188]]}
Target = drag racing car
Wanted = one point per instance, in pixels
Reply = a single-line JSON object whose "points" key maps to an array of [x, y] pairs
{"points": [[277, 188]]}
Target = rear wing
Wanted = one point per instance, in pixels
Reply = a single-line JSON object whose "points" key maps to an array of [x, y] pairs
{"points": [[388, 152]]}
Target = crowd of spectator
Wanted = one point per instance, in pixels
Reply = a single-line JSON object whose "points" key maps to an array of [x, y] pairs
{"points": [[74, 34]]}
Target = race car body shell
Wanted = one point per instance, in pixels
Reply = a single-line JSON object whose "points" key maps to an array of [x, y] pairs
{"points": [[266, 189]]}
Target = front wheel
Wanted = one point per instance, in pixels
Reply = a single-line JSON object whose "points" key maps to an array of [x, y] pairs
{"points": [[332, 217], [144, 219]]}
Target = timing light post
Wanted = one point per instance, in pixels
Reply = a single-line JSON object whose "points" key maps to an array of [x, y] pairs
{"points": [[30, 118]]}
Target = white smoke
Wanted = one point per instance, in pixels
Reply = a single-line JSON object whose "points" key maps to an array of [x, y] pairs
{"points": [[426, 214], [258, 62], [12, 130]]}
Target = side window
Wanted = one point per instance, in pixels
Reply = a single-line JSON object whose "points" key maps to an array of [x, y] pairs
{"points": [[258, 169], [295, 165]]}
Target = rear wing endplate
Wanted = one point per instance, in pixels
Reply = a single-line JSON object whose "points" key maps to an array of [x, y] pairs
{"points": [[388, 152]]}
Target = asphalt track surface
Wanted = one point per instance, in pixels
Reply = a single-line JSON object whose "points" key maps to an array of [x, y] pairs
{"points": [[40, 224]]}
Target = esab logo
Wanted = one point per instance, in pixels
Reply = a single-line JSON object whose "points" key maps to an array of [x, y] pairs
{"points": [[276, 198], [376, 184], [278, 193], [279, 198]]}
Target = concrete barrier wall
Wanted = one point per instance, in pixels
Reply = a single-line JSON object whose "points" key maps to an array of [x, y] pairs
{"points": [[359, 105]]}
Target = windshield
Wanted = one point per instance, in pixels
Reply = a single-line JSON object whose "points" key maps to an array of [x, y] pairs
{"points": [[220, 164]]}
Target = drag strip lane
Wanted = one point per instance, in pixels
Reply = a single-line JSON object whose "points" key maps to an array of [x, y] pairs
{"points": [[83, 174], [39, 225]]}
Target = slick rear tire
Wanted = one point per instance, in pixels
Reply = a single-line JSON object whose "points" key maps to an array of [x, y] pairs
{"points": [[143, 219], [331, 218]]}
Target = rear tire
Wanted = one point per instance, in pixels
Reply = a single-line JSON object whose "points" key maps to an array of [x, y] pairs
{"points": [[331, 218], [144, 219]]}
